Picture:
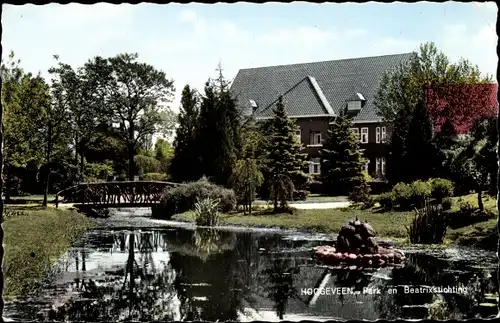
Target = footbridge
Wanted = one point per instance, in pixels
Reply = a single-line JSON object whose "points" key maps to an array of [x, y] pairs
{"points": [[114, 194]]}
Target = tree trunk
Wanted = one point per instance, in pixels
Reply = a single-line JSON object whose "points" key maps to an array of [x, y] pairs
{"points": [[130, 163], [81, 176], [480, 199], [47, 177], [250, 201], [1, 212], [8, 184], [275, 196]]}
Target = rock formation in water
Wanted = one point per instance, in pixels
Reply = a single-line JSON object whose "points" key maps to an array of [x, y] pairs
{"points": [[357, 246]]}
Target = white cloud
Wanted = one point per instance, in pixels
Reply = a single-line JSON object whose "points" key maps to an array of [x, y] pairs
{"points": [[198, 23], [187, 16], [78, 14], [477, 45]]}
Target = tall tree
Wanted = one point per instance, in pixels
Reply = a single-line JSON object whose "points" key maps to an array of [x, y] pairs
{"points": [[186, 164], [55, 128], [421, 155], [134, 93], [21, 98], [163, 153], [401, 89], [342, 159], [247, 175], [219, 126], [285, 161]]}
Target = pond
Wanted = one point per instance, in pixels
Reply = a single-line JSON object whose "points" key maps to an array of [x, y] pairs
{"points": [[135, 268]]}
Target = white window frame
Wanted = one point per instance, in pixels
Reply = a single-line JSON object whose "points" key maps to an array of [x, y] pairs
{"points": [[383, 166], [377, 135], [364, 131], [353, 105], [365, 166], [377, 165], [356, 132], [384, 134], [315, 162], [315, 139]]}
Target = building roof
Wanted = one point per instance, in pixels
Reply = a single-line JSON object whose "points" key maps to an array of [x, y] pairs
{"points": [[314, 89]]}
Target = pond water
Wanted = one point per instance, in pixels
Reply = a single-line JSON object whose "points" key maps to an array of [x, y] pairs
{"points": [[135, 268]]}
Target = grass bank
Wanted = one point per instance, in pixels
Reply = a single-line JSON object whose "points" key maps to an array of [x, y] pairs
{"points": [[35, 237], [389, 225]]}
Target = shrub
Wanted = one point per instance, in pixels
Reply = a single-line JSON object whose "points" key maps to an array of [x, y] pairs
{"points": [[207, 211], [97, 171], [386, 200], [441, 188], [428, 226], [360, 193], [420, 192], [300, 195], [402, 194], [183, 198], [447, 203], [155, 177]]}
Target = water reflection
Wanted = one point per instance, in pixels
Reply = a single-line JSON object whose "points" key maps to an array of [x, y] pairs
{"points": [[209, 274]]}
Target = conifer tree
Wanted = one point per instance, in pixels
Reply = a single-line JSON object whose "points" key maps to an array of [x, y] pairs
{"points": [[218, 134], [421, 155], [185, 165], [342, 160], [285, 162]]}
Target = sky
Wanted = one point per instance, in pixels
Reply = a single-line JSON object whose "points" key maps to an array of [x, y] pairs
{"points": [[187, 41]]}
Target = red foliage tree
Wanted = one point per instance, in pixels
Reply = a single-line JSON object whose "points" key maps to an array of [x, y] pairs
{"points": [[462, 104]]}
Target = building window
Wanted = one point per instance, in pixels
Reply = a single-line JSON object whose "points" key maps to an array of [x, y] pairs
{"points": [[380, 165], [364, 135], [384, 134], [315, 138], [315, 166], [377, 135], [298, 134], [354, 105], [356, 132], [365, 166]]}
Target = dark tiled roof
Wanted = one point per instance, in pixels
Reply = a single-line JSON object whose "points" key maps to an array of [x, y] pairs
{"points": [[338, 80]]}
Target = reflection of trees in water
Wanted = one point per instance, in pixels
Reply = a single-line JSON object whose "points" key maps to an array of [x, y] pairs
{"points": [[425, 270], [278, 281], [143, 292], [219, 286]]}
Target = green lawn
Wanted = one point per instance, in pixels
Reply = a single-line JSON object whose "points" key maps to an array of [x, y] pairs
{"points": [[389, 225], [34, 238]]}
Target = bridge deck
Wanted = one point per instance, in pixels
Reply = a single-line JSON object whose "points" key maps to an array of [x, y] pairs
{"points": [[114, 205]]}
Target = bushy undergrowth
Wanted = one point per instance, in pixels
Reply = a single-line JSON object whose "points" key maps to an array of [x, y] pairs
{"points": [[428, 226], [441, 188], [300, 195], [183, 198], [447, 203], [154, 177], [408, 196]]}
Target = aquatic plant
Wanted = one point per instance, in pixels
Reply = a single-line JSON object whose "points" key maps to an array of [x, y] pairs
{"points": [[207, 211], [428, 225]]}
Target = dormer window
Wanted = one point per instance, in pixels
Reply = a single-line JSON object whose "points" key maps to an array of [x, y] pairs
{"points": [[253, 104], [355, 102], [354, 105]]}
